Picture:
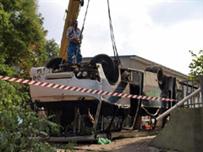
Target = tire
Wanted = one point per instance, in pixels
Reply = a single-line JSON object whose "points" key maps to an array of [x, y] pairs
{"points": [[109, 67], [54, 63]]}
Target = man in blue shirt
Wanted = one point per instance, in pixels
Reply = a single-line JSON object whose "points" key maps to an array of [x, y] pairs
{"points": [[73, 50]]}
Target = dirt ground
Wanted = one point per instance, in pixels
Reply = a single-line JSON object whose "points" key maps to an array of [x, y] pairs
{"points": [[135, 141], [137, 144]]}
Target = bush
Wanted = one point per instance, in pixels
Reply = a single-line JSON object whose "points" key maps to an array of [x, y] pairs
{"points": [[20, 130]]}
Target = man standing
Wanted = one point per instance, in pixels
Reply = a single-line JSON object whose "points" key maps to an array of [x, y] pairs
{"points": [[73, 50]]}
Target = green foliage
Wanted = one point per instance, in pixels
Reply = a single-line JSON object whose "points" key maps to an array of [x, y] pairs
{"points": [[196, 66], [18, 124], [9, 95], [22, 35], [22, 45], [19, 129], [52, 49]]}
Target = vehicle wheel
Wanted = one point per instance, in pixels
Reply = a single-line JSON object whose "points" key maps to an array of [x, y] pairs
{"points": [[54, 63], [109, 67]]}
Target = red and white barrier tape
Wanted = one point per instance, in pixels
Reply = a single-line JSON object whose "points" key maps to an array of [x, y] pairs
{"points": [[83, 90]]}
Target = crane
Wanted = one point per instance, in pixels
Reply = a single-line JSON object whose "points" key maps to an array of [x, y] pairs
{"points": [[72, 14]]}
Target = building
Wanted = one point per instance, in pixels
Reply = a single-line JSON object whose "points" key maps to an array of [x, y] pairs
{"points": [[136, 62], [139, 63]]}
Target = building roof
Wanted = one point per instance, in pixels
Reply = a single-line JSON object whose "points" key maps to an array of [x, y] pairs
{"points": [[151, 63], [137, 62]]}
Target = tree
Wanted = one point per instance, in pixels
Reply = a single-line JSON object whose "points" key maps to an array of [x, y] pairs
{"points": [[19, 129], [22, 45], [22, 35], [196, 66], [52, 49]]}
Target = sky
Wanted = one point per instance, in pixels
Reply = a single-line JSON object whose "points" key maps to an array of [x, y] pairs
{"points": [[162, 31]]}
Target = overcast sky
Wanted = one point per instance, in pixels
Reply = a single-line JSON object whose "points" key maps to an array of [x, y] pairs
{"points": [[162, 31]]}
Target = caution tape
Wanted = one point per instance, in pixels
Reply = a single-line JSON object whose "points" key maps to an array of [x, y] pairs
{"points": [[83, 90]]}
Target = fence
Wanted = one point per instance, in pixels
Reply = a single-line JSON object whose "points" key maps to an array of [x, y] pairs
{"points": [[188, 87], [192, 97]]}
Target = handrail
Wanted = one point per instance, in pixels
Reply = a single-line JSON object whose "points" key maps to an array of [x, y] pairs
{"points": [[181, 102]]}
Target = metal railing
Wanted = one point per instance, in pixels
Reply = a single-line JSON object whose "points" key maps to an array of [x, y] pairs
{"points": [[193, 98], [179, 104], [195, 101]]}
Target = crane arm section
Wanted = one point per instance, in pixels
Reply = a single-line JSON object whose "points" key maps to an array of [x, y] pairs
{"points": [[72, 14]]}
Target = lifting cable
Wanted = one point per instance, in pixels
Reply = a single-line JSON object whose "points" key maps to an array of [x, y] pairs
{"points": [[111, 30], [84, 19], [112, 35]]}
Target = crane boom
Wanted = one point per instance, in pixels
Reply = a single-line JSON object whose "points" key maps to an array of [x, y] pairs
{"points": [[72, 14]]}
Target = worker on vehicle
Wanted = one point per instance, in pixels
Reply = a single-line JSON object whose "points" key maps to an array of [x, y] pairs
{"points": [[73, 50]]}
